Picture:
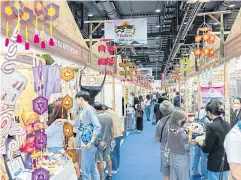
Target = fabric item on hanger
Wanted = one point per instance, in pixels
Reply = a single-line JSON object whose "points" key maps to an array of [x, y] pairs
{"points": [[50, 79]]}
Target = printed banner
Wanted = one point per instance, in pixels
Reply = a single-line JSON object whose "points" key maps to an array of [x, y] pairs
{"points": [[146, 72], [207, 93], [127, 31]]}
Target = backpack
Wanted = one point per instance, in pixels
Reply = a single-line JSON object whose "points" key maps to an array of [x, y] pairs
{"points": [[139, 111]]}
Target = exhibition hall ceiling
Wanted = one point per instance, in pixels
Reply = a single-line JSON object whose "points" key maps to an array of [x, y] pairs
{"points": [[171, 26]]}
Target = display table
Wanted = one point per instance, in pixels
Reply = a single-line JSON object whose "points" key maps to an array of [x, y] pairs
{"points": [[68, 172]]}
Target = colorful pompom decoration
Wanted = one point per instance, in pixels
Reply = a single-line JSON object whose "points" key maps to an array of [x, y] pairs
{"points": [[43, 45], [51, 41], [6, 41]]}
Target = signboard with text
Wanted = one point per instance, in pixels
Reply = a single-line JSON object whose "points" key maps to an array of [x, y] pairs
{"points": [[208, 93]]}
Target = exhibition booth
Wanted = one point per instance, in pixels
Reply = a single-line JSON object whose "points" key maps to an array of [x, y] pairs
{"points": [[45, 59]]}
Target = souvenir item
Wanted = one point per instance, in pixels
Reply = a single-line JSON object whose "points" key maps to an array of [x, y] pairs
{"points": [[15, 166]]}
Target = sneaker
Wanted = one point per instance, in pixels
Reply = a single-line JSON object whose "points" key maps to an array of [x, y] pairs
{"points": [[108, 177]]}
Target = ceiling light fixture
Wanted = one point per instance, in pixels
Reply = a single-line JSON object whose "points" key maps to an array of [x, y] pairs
{"points": [[215, 23], [90, 15], [157, 10], [232, 5], [158, 26], [103, 29], [157, 44]]}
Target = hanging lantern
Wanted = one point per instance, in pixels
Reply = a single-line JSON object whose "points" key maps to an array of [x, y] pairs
{"points": [[39, 10], [206, 51], [101, 61], [101, 48], [211, 39], [40, 173], [211, 52], [111, 49], [197, 52], [51, 14], [107, 60], [67, 102], [112, 61], [198, 38], [205, 37], [67, 74]]}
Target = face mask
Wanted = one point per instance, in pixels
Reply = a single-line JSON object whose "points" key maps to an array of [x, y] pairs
{"points": [[236, 107]]}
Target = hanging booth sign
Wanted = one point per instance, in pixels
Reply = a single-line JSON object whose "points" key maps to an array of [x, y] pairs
{"points": [[207, 93], [127, 31], [40, 105]]}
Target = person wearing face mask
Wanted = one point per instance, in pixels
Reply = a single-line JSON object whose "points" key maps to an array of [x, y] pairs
{"points": [[213, 143], [236, 115]]}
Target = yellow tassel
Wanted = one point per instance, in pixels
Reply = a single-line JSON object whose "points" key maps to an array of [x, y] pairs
{"points": [[36, 22], [51, 29], [42, 31], [7, 29], [26, 33]]}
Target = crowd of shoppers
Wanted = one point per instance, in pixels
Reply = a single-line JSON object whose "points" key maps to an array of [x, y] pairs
{"points": [[106, 128], [217, 150]]}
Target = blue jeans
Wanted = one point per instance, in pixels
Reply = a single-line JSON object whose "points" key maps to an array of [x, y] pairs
{"points": [[215, 175], [116, 154], [88, 165], [199, 156], [148, 112]]}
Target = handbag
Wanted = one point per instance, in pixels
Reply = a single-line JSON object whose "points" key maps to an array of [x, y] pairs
{"points": [[86, 136], [165, 153]]}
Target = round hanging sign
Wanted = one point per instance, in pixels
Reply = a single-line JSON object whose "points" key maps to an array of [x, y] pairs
{"points": [[68, 130], [40, 105], [40, 140], [67, 102], [40, 174]]}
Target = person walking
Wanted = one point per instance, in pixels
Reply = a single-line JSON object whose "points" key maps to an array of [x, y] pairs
{"points": [[86, 117], [148, 107], [178, 143], [177, 100], [107, 136], [161, 135], [139, 114], [117, 135], [157, 110], [214, 140], [236, 114]]}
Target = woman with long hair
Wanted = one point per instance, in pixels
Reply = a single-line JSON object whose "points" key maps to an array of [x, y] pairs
{"points": [[55, 135]]}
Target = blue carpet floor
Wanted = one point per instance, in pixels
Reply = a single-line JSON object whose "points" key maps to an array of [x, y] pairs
{"points": [[140, 156]]}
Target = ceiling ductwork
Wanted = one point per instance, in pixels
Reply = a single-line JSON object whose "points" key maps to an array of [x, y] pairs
{"points": [[109, 8]]}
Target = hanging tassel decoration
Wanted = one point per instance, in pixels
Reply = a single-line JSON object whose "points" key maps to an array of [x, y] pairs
{"points": [[51, 40], [19, 37], [36, 36], [43, 45], [27, 46], [7, 39]]}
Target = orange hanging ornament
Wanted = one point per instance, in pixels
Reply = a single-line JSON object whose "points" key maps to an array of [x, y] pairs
{"points": [[198, 38], [197, 52], [211, 39], [211, 52], [205, 37], [206, 51]]}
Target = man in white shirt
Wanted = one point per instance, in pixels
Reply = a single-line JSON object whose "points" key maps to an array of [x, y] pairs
{"points": [[232, 145]]}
